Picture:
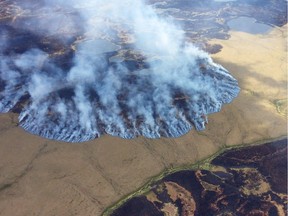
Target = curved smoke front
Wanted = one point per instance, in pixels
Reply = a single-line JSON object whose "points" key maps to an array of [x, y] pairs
{"points": [[172, 90]]}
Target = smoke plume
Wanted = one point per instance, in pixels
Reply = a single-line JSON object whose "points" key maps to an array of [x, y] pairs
{"points": [[127, 72]]}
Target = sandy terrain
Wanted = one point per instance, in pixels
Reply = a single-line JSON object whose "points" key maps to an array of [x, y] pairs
{"points": [[43, 177]]}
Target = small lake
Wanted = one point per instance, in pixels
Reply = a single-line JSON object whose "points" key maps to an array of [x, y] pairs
{"points": [[97, 47], [225, 0], [249, 25]]}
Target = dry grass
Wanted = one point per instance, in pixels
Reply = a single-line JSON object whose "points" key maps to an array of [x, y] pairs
{"points": [[43, 177]]}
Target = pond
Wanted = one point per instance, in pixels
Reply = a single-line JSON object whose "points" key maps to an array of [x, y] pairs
{"points": [[97, 47], [248, 25]]}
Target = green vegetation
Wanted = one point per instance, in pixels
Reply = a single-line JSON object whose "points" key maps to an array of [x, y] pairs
{"points": [[281, 106], [204, 164]]}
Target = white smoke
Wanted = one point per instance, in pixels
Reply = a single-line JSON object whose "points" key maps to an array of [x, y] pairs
{"points": [[178, 88]]}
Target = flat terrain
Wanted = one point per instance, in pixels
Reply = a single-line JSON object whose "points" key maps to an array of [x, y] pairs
{"points": [[243, 181], [44, 177]]}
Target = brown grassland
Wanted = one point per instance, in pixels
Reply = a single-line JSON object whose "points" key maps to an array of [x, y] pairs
{"points": [[45, 177]]}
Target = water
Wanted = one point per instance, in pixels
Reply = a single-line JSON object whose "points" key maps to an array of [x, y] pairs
{"points": [[225, 0], [97, 47], [248, 25]]}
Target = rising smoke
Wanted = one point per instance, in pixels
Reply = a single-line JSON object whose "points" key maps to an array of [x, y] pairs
{"points": [[172, 91]]}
